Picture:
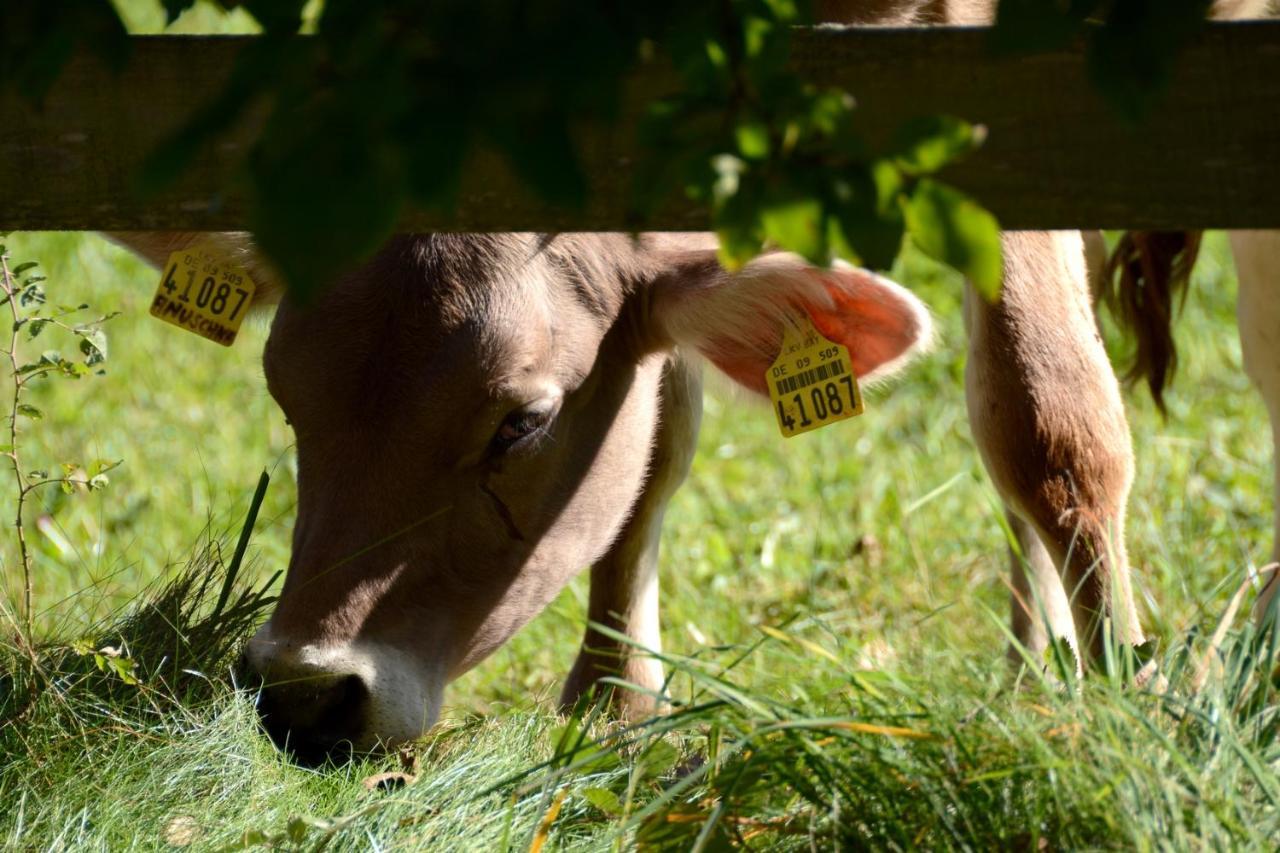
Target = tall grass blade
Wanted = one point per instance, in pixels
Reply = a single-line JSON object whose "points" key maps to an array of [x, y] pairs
{"points": [[237, 558]]}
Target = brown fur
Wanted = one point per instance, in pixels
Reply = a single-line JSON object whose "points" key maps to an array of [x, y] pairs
{"points": [[1046, 412], [1144, 285]]}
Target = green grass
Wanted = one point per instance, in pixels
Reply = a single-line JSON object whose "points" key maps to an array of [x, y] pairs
{"points": [[909, 624]]}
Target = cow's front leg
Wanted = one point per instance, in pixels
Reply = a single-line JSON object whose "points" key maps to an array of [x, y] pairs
{"points": [[1257, 256], [624, 583], [1038, 601], [1046, 412]]}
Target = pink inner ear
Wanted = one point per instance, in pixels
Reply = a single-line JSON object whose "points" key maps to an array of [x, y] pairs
{"points": [[875, 319], [877, 322]]}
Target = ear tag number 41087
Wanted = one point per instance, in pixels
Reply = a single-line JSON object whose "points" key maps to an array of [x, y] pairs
{"points": [[811, 383], [202, 291]]}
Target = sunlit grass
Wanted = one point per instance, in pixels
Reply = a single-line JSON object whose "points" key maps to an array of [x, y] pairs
{"points": [[875, 548]]}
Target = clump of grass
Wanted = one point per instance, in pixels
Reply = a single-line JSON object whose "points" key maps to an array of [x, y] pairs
{"points": [[975, 764], [175, 646]]}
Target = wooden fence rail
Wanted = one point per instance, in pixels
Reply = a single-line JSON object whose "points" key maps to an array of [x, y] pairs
{"points": [[1057, 156]]}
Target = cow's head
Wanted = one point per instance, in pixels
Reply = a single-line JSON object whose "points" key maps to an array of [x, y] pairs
{"points": [[474, 416]]}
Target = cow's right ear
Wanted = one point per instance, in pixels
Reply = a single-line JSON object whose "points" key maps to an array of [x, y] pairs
{"points": [[736, 319], [237, 246]]}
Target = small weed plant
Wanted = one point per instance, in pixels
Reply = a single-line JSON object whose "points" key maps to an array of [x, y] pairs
{"points": [[32, 315]]}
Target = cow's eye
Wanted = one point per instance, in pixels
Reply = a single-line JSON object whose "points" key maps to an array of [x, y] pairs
{"points": [[524, 423]]}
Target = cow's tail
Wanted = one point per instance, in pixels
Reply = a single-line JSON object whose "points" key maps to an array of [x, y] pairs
{"points": [[1144, 286]]}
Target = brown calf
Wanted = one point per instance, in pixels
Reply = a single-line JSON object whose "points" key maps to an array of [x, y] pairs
{"points": [[479, 417]]}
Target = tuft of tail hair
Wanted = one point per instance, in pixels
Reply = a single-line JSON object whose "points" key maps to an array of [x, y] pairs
{"points": [[1145, 284]]}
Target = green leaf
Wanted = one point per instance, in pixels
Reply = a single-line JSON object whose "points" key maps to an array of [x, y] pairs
{"points": [[124, 668], [733, 216], [174, 8], [101, 466], [32, 294], [604, 800], [23, 267], [1024, 27], [659, 758], [296, 830], [542, 152], [38, 474], [926, 144], [35, 327], [1131, 58], [29, 411], [952, 228], [798, 224], [98, 482], [753, 139], [435, 172], [829, 111], [867, 224], [738, 245], [93, 345], [283, 16]]}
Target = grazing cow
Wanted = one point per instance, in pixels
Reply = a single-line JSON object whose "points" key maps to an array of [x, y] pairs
{"points": [[480, 416]]}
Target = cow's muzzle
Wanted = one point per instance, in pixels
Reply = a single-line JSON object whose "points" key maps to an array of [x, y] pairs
{"points": [[315, 719], [330, 701]]}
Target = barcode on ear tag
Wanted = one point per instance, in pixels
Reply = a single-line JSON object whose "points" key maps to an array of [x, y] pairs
{"points": [[204, 292], [811, 383]]}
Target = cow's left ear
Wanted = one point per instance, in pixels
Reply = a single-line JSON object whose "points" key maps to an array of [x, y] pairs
{"points": [[736, 319], [237, 246]]}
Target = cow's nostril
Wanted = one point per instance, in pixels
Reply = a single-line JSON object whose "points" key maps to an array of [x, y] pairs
{"points": [[315, 719], [242, 673]]}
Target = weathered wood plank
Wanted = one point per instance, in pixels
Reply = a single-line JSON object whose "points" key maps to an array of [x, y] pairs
{"points": [[1056, 156]]}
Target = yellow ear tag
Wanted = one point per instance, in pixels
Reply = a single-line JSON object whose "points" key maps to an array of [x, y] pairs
{"points": [[811, 383], [205, 293]]}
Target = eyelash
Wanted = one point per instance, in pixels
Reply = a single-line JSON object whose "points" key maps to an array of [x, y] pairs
{"points": [[501, 444]]}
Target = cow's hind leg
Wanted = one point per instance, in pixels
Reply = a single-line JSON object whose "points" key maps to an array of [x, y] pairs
{"points": [[624, 583], [1046, 413], [1257, 256]]}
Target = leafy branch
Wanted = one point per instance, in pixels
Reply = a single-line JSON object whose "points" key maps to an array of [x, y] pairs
{"points": [[382, 105], [22, 291], [781, 162]]}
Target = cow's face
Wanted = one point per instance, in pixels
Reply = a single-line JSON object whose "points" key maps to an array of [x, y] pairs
{"points": [[473, 419]]}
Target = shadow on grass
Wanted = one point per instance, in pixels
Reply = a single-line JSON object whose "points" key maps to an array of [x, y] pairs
{"points": [[176, 647]]}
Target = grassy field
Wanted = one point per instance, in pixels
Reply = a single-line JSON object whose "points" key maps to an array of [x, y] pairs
{"points": [[833, 605], [834, 611]]}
